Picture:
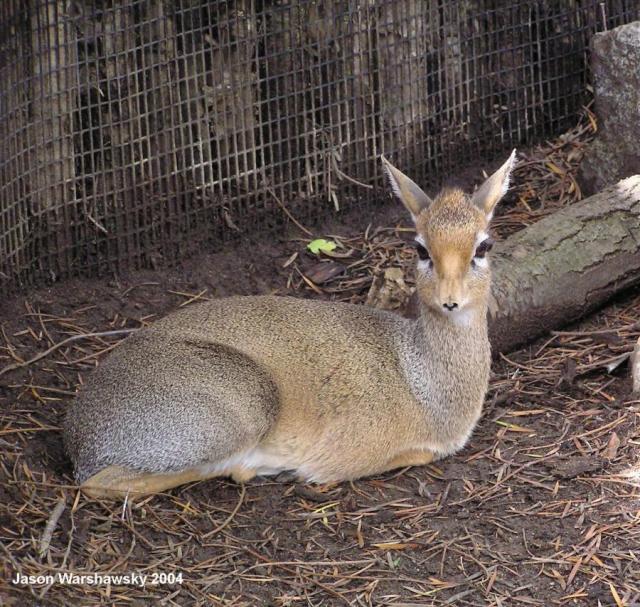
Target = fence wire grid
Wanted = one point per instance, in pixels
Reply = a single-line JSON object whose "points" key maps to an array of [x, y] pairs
{"points": [[134, 133]]}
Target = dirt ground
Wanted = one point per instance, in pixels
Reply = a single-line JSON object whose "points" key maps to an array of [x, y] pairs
{"points": [[541, 508]]}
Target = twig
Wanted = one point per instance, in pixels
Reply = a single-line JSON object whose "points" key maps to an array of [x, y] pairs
{"points": [[50, 527], [230, 517], [68, 340], [287, 213], [346, 177]]}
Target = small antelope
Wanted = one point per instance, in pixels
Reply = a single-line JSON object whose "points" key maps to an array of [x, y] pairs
{"points": [[250, 386]]}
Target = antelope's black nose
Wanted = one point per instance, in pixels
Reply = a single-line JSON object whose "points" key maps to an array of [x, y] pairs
{"points": [[450, 306]]}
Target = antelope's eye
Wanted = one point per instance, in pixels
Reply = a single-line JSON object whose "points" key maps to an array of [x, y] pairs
{"points": [[422, 252], [483, 248]]}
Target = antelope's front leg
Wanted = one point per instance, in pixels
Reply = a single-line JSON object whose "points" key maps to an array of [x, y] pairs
{"points": [[240, 474], [413, 457]]}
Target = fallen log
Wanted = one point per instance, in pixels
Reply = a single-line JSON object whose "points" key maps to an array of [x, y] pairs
{"points": [[565, 266]]}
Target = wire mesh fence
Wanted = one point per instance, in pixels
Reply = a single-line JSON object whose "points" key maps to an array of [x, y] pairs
{"points": [[133, 133]]}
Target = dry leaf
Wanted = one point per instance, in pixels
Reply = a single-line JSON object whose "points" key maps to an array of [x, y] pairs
{"points": [[611, 450], [324, 271]]}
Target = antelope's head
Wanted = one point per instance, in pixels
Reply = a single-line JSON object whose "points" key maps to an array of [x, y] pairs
{"points": [[452, 240]]}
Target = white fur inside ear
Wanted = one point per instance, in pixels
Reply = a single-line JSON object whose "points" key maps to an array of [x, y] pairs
{"points": [[507, 179], [406, 190], [392, 181], [421, 240], [494, 188]]}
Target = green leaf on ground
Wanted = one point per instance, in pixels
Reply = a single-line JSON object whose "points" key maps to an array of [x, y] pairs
{"points": [[320, 245]]}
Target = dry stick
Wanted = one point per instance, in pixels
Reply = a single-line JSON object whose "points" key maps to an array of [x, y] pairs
{"points": [[90, 356], [51, 526], [71, 532], [230, 517], [53, 348], [346, 177], [287, 213], [9, 345], [312, 580]]}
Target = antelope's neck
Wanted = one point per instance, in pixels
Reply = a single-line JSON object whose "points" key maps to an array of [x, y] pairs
{"points": [[448, 362], [439, 336]]}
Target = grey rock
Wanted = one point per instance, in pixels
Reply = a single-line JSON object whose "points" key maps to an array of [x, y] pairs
{"points": [[615, 153]]}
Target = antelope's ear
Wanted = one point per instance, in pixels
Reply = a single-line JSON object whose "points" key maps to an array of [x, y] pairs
{"points": [[409, 193], [487, 196]]}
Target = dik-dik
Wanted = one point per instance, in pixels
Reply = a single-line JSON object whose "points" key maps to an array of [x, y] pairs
{"points": [[250, 386]]}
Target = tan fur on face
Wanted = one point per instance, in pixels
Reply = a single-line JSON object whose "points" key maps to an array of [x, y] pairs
{"points": [[449, 227]]}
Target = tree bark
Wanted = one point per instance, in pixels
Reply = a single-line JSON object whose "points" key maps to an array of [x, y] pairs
{"points": [[565, 265]]}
